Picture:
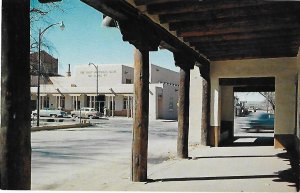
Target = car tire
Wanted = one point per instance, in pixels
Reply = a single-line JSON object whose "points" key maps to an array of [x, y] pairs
{"points": [[53, 116]]}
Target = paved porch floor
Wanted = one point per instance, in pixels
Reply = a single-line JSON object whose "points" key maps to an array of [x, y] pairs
{"points": [[233, 169]]}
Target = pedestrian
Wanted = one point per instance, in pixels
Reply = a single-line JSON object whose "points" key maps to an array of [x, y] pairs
{"points": [[105, 112]]}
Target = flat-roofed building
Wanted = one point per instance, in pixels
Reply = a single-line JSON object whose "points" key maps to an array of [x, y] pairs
{"points": [[115, 90]]}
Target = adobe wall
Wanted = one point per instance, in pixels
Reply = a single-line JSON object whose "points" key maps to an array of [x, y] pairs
{"points": [[195, 134], [285, 72]]}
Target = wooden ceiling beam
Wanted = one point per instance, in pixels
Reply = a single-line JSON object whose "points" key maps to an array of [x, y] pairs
{"points": [[244, 49], [251, 81], [229, 24], [245, 36], [250, 53], [151, 2], [274, 53], [250, 56], [264, 48], [255, 10], [235, 28], [268, 42], [196, 6], [254, 89]]}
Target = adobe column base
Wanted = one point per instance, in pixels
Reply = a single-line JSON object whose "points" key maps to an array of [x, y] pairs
{"points": [[284, 141], [214, 136]]}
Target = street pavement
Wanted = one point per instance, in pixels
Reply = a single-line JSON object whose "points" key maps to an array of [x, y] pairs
{"points": [[61, 155], [99, 157], [244, 137]]}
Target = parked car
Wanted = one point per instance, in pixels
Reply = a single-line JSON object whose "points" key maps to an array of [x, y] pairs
{"points": [[85, 112], [47, 112], [261, 121]]}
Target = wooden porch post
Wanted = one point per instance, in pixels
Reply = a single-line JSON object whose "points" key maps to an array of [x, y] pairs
{"points": [[183, 113], [144, 39], [141, 113], [183, 104], [15, 142]]}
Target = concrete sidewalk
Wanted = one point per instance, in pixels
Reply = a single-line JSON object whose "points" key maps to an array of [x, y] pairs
{"points": [[231, 169]]}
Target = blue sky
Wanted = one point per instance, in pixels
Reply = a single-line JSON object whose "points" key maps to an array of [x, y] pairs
{"points": [[249, 96], [84, 39]]}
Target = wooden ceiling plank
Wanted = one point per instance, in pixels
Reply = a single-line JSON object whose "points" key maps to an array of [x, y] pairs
{"points": [[218, 30], [240, 49], [255, 10], [250, 56], [150, 2], [287, 18], [245, 36], [252, 53], [276, 52], [196, 6], [291, 40]]}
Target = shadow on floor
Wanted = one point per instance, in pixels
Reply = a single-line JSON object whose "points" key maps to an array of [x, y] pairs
{"points": [[211, 178], [290, 175]]}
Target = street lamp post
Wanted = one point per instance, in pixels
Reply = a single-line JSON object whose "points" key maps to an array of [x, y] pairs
{"points": [[97, 84], [41, 33]]}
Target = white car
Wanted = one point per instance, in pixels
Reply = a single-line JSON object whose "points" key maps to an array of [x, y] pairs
{"points": [[85, 112], [46, 112]]}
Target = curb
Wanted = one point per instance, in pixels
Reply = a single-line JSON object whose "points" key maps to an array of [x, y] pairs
{"points": [[55, 127]]}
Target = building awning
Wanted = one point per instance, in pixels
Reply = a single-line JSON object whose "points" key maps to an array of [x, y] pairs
{"points": [[75, 94], [57, 95], [110, 95], [35, 94], [128, 95]]}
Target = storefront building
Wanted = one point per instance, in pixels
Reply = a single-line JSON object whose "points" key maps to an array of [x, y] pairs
{"points": [[115, 91]]}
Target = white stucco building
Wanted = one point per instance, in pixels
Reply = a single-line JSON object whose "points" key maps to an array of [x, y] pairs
{"points": [[115, 90]]}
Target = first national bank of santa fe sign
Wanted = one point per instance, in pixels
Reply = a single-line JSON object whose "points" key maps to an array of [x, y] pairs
{"points": [[93, 73]]}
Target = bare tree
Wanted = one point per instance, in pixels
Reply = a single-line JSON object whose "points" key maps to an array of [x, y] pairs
{"points": [[39, 14], [41, 17], [270, 98]]}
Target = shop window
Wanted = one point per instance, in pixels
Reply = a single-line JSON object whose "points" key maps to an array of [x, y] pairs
{"points": [[62, 102], [46, 102], [112, 105], [124, 103]]}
